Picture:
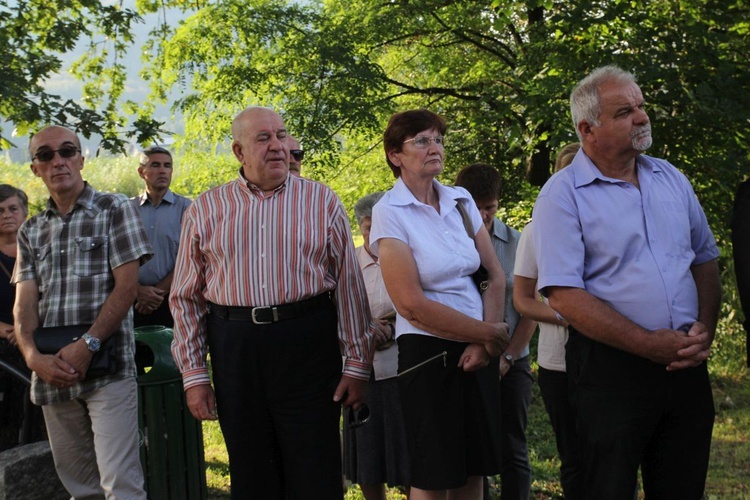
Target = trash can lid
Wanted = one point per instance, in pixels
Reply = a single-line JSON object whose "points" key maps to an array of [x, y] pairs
{"points": [[153, 355]]}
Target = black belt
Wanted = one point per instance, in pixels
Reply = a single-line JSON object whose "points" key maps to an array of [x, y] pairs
{"points": [[271, 314]]}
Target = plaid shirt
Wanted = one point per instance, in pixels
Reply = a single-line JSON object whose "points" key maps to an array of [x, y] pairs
{"points": [[71, 258]]}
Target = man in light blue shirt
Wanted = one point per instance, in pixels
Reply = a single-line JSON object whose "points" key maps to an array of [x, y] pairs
{"points": [[626, 257], [161, 213]]}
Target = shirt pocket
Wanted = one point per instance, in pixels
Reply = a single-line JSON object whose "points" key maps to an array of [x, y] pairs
{"points": [[91, 256], [678, 223], [43, 263]]}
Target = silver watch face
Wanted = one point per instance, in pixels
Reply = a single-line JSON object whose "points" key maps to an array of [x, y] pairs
{"points": [[92, 342]]}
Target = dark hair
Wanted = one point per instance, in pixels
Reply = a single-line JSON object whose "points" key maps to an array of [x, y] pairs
{"points": [[408, 124], [152, 150], [8, 191], [482, 181]]}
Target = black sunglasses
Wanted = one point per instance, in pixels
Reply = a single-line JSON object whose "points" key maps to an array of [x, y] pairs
{"points": [[358, 418], [64, 152], [297, 153]]}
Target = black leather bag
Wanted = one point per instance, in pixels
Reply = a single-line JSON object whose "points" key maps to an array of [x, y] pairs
{"points": [[51, 339], [481, 277]]}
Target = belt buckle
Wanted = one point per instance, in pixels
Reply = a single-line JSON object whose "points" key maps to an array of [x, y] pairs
{"points": [[274, 312]]}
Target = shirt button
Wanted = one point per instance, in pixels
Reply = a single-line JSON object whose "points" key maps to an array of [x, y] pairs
{"points": [[263, 286]]}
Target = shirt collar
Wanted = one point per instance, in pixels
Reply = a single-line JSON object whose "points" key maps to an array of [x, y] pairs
{"points": [[169, 198], [364, 258], [448, 196], [586, 172], [500, 230], [246, 184], [85, 199]]}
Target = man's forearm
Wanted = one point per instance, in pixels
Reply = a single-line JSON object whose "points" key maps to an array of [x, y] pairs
{"points": [[596, 320], [708, 284], [521, 336], [26, 316], [166, 282], [119, 302]]}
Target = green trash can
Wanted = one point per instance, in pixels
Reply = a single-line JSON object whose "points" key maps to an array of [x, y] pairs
{"points": [[171, 439]]}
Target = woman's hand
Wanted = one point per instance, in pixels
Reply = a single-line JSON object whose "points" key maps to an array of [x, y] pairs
{"points": [[7, 332], [473, 358], [499, 341], [382, 333]]}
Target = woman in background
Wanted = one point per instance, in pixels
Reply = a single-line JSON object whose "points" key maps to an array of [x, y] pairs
{"points": [[20, 421], [553, 334], [14, 207], [376, 453]]}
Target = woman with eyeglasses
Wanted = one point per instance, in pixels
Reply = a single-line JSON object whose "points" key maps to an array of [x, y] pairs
{"points": [[446, 331]]}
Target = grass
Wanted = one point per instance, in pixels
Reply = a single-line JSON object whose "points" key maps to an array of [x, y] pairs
{"points": [[727, 475]]}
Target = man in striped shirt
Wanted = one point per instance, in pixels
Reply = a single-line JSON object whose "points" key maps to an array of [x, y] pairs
{"points": [[268, 281]]}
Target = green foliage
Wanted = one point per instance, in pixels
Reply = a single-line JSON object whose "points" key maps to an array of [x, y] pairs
{"points": [[499, 72], [33, 36]]}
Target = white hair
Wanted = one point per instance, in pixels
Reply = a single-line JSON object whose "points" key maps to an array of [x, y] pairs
{"points": [[584, 100]]}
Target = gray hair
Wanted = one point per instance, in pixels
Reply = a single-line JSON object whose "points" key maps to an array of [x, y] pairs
{"points": [[363, 207], [152, 150], [584, 100], [8, 191]]}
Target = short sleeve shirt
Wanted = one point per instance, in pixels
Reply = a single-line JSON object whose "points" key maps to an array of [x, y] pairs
{"points": [[552, 338], [445, 254], [71, 258], [631, 248], [162, 224]]}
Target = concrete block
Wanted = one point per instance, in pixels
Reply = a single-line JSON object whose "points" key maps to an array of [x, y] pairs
{"points": [[27, 472]]}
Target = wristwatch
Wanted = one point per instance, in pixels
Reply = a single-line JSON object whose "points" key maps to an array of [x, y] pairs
{"points": [[509, 358], [92, 343]]}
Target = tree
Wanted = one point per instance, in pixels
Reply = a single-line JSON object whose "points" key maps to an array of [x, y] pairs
{"points": [[500, 73], [33, 36]]}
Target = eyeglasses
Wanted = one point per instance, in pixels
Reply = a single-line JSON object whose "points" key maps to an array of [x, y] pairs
{"points": [[422, 141], [297, 153], [358, 418], [64, 152]]}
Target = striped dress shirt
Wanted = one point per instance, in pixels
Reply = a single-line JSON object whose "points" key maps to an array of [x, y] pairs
{"points": [[240, 248]]}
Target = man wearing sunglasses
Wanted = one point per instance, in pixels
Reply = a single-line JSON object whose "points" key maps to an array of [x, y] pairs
{"points": [[161, 211], [78, 264], [267, 281], [296, 154]]}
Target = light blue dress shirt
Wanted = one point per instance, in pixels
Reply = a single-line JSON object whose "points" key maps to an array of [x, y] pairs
{"points": [[505, 240], [632, 249], [162, 223]]}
